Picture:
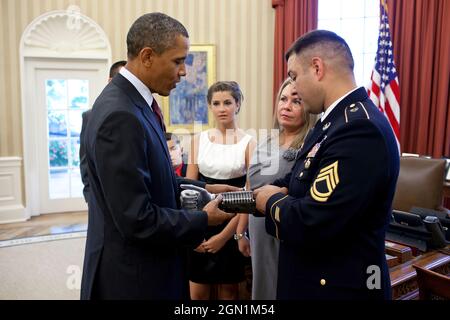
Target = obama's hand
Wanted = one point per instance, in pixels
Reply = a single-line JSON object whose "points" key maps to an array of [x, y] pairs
{"points": [[215, 215]]}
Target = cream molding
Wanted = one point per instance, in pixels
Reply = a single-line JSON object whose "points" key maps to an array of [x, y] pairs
{"points": [[11, 207], [10, 162], [64, 33]]}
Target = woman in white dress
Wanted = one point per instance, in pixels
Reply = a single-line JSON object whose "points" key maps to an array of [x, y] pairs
{"points": [[220, 155]]}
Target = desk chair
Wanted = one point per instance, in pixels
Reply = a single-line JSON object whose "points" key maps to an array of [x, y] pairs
{"points": [[432, 285], [420, 184], [419, 220]]}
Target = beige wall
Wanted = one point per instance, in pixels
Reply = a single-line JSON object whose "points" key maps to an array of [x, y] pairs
{"points": [[242, 31]]}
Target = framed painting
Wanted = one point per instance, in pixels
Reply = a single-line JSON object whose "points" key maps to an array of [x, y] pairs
{"points": [[186, 108]]}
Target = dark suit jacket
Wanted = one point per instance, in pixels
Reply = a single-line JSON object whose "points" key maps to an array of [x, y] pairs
{"points": [[83, 162], [332, 222], [137, 239]]}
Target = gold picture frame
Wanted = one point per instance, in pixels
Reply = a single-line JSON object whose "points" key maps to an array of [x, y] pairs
{"points": [[186, 108]]}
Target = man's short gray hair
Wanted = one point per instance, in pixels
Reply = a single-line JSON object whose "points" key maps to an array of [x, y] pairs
{"points": [[155, 30]]}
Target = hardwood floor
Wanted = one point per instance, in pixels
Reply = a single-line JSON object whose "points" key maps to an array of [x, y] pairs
{"points": [[46, 224]]}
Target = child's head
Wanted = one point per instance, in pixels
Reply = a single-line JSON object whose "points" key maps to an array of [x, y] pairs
{"points": [[175, 149]]}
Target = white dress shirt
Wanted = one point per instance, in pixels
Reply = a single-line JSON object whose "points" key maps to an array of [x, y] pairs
{"points": [[139, 85]]}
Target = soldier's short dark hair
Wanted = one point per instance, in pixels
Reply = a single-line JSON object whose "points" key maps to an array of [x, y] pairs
{"points": [[155, 30], [330, 44]]}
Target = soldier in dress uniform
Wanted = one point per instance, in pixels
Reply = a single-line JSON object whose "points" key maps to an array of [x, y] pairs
{"points": [[330, 213]]}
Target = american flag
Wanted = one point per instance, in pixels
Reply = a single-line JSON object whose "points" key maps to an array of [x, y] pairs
{"points": [[384, 88]]}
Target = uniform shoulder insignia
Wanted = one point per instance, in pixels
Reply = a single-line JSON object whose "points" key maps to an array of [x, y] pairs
{"points": [[356, 111], [325, 183]]}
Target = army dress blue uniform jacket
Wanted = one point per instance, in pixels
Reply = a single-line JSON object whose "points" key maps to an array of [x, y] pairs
{"points": [[332, 222]]}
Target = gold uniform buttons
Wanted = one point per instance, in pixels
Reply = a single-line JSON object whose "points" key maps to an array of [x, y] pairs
{"points": [[301, 174], [307, 164], [354, 108], [323, 282]]}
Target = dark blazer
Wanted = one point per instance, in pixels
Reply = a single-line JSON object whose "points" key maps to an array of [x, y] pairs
{"points": [[83, 162], [137, 239], [332, 222]]}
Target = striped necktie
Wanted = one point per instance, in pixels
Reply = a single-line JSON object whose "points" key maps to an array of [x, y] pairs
{"points": [[158, 112]]}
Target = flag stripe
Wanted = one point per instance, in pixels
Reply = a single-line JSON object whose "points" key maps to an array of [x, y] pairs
{"points": [[393, 101], [395, 89], [392, 120]]}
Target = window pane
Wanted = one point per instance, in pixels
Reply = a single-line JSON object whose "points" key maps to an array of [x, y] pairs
{"points": [[59, 183], [57, 152], [359, 69], [76, 183], [371, 31], [75, 152], [353, 33], [372, 8], [57, 124], [75, 120], [331, 25], [56, 93], [352, 9], [329, 9], [369, 63], [357, 21], [78, 94]]}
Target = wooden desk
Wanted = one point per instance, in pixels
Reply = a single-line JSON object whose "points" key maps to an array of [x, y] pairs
{"points": [[402, 252], [403, 276], [392, 261]]}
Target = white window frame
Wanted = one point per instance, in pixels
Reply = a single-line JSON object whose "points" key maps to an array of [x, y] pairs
{"points": [[54, 40], [334, 14]]}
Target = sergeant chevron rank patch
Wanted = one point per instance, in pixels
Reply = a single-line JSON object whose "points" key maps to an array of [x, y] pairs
{"points": [[325, 183]]}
